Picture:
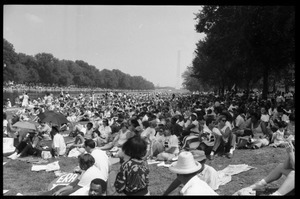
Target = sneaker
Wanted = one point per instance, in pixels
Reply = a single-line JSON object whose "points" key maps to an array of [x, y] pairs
{"points": [[13, 156]]}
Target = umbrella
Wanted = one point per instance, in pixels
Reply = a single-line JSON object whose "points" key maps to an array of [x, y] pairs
{"points": [[53, 117], [25, 125]]}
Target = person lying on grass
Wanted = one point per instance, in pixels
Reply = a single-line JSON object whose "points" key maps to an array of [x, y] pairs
{"points": [[86, 163], [207, 173], [287, 168]]}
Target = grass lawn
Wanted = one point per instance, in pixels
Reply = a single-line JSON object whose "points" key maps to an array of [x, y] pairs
{"points": [[18, 177]]}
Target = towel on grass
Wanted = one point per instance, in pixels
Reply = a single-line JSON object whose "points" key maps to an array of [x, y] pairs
{"points": [[48, 167], [224, 176]]}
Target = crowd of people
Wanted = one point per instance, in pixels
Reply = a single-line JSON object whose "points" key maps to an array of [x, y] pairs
{"points": [[137, 127]]}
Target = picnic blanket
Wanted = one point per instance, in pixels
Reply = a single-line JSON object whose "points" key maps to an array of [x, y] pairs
{"points": [[224, 176], [48, 167]]}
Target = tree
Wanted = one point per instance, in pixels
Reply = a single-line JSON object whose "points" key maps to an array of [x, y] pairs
{"points": [[243, 43]]}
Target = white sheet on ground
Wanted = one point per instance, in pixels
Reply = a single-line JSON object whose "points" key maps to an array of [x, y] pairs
{"points": [[224, 176], [5, 191], [48, 167]]}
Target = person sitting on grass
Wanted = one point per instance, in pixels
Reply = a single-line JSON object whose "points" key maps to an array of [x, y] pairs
{"points": [[101, 158], [225, 142], [58, 143], [207, 173], [208, 138], [133, 176], [171, 145], [278, 139], [287, 168], [28, 146], [122, 136], [105, 132], [86, 163], [158, 142], [78, 143], [187, 170], [44, 131], [89, 131]]}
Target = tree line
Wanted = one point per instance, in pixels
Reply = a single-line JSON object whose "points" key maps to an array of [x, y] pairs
{"points": [[44, 68], [244, 46]]}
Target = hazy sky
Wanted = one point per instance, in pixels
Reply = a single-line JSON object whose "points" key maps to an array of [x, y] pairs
{"points": [[147, 41]]}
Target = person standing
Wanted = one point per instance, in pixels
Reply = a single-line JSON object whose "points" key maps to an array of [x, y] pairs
{"points": [[133, 177], [25, 99]]}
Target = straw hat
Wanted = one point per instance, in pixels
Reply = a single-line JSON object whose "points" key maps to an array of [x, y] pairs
{"points": [[186, 164]]}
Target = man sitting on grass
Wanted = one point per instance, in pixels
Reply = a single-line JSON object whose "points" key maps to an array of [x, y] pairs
{"points": [[58, 144]]}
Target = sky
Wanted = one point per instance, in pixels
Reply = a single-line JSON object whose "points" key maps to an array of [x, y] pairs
{"points": [[148, 41]]}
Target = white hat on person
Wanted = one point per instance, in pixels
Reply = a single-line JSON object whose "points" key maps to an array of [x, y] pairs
{"points": [[186, 164]]}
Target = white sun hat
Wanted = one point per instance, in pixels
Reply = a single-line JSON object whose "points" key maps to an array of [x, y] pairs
{"points": [[186, 164]]}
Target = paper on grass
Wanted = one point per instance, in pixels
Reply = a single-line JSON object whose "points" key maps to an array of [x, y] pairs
{"points": [[38, 167], [48, 167], [163, 164], [5, 191], [153, 161], [4, 163]]}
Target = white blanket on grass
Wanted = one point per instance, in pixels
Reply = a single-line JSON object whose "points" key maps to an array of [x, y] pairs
{"points": [[224, 176], [48, 167]]}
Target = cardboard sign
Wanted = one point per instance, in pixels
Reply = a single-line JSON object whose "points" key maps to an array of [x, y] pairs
{"points": [[63, 180]]}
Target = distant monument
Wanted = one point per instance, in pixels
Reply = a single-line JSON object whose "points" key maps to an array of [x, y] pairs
{"points": [[178, 71]]}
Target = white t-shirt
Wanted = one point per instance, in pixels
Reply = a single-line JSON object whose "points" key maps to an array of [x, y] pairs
{"points": [[210, 176], [171, 141], [196, 128], [101, 162], [5, 123], [59, 142], [239, 122], [86, 177], [196, 186], [265, 118], [104, 132], [148, 133]]}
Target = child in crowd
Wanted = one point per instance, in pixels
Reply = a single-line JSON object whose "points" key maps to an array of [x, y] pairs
{"points": [[133, 177], [278, 139]]}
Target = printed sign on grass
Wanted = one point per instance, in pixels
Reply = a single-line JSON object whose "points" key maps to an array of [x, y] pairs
{"points": [[63, 180]]}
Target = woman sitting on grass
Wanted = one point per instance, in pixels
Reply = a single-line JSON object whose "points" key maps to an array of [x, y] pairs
{"points": [[171, 145], [122, 136], [78, 143]]}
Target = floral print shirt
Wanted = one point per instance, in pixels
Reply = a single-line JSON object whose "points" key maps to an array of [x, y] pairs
{"points": [[133, 176]]}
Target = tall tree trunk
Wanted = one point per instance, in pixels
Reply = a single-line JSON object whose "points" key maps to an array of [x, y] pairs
{"points": [[265, 82]]}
